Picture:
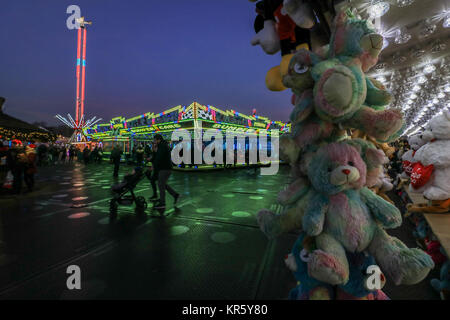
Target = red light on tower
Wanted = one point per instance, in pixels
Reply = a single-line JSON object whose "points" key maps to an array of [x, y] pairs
{"points": [[81, 63], [83, 76], [77, 102], [80, 123]]}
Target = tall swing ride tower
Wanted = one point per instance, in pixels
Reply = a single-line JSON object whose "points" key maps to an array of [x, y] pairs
{"points": [[80, 122]]}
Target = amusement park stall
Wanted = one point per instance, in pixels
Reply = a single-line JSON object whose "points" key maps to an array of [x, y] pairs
{"points": [[128, 133]]}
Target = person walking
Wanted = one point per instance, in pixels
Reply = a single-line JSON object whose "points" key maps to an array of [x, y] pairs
{"points": [[30, 167], [162, 170], [72, 153], [79, 155], [64, 155], [42, 151], [151, 173], [139, 155], [147, 152], [86, 155], [100, 155], [116, 154], [16, 160], [60, 154]]}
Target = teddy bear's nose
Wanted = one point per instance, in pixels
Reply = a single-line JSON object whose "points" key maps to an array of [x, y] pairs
{"points": [[346, 171]]}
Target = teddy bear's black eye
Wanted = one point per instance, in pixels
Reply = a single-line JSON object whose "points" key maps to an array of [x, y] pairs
{"points": [[350, 163]]}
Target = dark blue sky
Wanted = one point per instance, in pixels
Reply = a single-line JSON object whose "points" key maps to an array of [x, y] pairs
{"points": [[142, 55]]}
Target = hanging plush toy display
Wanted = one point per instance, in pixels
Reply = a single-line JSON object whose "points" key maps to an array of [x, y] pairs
{"points": [[343, 222], [282, 26], [431, 172]]}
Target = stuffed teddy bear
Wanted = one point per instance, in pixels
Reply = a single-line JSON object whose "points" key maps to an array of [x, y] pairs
{"points": [[437, 153], [345, 216], [342, 92], [383, 185], [309, 288], [297, 194], [433, 166], [442, 285], [327, 195], [434, 249], [415, 142], [422, 229]]}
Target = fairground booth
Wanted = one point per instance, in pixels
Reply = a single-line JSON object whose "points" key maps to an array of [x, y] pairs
{"points": [[128, 133], [15, 129]]}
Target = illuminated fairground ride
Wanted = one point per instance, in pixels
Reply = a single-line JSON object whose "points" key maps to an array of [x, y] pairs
{"points": [[141, 129], [80, 123]]}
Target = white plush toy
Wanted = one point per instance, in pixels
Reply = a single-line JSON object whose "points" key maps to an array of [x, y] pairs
{"points": [[436, 152], [300, 12], [408, 161], [268, 38], [384, 183]]}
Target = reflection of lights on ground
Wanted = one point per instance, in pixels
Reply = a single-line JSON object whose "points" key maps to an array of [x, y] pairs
{"points": [[241, 214], [223, 237], [177, 230], [79, 198], [204, 210], [228, 195], [79, 215], [104, 220]]}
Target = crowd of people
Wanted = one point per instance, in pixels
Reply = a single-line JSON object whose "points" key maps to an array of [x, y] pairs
{"points": [[19, 161], [19, 165]]}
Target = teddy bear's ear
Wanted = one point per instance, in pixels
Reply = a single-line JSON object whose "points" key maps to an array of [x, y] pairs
{"points": [[376, 157]]}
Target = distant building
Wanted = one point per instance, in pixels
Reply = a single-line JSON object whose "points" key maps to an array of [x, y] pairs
{"points": [[142, 128], [12, 128]]}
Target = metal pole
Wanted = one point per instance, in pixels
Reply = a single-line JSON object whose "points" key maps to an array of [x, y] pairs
{"points": [[83, 74], [77, 105]]}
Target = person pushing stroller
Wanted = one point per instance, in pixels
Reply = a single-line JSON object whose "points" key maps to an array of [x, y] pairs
{"points": [[162, 169]]}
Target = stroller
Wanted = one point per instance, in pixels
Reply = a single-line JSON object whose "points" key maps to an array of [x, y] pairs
{"points": [[120, 190]]}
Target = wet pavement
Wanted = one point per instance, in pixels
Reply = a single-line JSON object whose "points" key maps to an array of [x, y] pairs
{"points": [[208, 248]]}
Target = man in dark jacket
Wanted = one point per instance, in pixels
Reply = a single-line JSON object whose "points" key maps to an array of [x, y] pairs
{"points": [[16, 160], [116, 154], [151, 174], [139, 155], [86, 155], [162, 169]]}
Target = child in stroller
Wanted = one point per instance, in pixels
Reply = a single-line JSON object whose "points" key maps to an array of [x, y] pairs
{"points": [[120, 190]]}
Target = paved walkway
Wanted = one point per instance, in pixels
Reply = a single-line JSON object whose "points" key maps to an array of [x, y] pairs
{"points": [[209, 248]]}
